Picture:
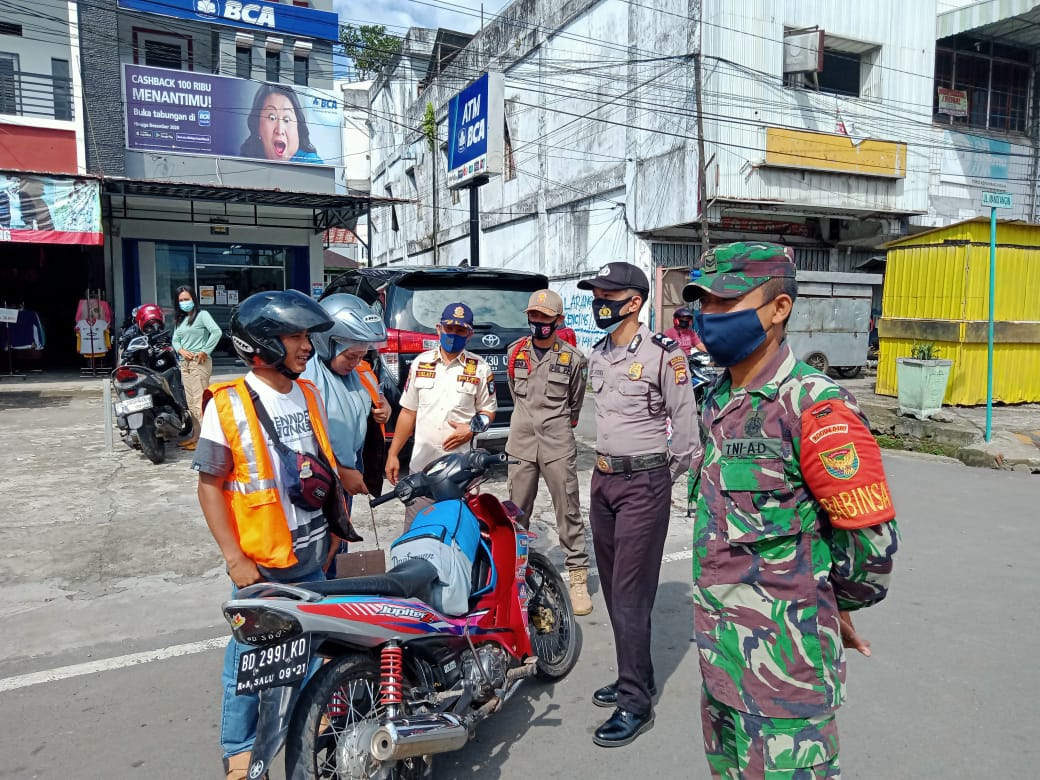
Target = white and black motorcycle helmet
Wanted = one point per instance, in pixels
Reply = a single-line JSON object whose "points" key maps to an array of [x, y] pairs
{"points": [[260, 321], [355, 323]]}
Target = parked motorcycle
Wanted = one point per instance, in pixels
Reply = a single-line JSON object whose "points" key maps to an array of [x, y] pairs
{"points": [[152, 407], [402, 682]]}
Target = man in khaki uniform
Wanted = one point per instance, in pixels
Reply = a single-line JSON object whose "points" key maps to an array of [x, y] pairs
{"points": [[639, 379], [447, 387], [547, 381]]}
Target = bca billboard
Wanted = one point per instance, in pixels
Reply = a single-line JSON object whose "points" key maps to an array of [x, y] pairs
{"points": [[476, 131]]}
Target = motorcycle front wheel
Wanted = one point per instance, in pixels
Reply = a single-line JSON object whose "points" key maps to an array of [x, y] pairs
{"points": [[152, 446], [551, 624], [330, 734]]}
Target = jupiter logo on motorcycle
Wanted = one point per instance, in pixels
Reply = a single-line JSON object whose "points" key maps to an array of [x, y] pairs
{"points": [[408, 612]]}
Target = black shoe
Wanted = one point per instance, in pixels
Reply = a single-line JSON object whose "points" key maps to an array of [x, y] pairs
{"points": [[622, 728], [607, 695]]}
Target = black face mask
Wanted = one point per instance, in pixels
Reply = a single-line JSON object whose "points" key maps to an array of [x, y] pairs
{"points": [[608, 313], [542, 330]]}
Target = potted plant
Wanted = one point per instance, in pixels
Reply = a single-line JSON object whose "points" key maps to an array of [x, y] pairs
{"points": [[921, 381]]}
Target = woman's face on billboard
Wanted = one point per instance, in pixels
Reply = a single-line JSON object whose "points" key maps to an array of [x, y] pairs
{"points": [[278, 128]]}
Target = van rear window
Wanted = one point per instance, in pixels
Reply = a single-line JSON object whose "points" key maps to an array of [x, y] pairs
{"points": [[420, 310]]}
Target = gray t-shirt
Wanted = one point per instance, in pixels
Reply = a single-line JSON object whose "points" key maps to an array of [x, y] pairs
{"points": [[288, 412]]}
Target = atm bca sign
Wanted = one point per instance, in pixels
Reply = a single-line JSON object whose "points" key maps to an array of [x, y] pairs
{"points": [[476, 131]]}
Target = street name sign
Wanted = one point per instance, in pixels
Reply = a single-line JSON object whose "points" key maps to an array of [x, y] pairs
{"points": [[996, 200]]}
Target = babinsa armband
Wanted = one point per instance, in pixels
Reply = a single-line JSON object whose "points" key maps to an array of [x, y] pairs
{"points": [[841, 465]]}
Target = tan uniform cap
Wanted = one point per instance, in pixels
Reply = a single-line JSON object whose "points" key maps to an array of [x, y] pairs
{"points": [[547, 302]]}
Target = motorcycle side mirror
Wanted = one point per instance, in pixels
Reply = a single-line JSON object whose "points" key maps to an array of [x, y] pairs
{"points": [[480, 423]]}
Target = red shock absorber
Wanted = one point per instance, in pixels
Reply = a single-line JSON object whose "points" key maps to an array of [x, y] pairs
{"points": [[390, 674]]}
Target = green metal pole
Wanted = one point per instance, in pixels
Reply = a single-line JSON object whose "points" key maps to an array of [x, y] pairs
{"points": [[992, 299]]}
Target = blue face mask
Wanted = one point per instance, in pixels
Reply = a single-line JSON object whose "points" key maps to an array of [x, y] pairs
{"points": [[186, 305], [732, 336], [451, 343]]}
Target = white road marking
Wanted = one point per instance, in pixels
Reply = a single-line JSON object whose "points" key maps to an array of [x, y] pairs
{"points": [[163, 653], [110, 664], [681, 555]]}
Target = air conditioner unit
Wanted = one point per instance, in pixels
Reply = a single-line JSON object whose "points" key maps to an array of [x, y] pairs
{"points": [[803, 51]]}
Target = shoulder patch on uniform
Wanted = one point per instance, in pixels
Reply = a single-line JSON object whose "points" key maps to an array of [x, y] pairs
{"points": [[664, 342]]}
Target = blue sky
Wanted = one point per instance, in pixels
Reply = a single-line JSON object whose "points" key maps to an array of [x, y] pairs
{"points": [[399, 15]]}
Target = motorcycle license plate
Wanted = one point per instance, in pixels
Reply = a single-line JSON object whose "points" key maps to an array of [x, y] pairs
{"points": [[134, 404], [273, 666]]}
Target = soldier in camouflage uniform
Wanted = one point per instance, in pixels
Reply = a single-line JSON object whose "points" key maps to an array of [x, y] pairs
{"points": [[775, 575]]}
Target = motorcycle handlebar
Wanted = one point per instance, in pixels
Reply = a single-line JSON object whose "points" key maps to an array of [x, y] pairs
{"points": [[379, 501]]}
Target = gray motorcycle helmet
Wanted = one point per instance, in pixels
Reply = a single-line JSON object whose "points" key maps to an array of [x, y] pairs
{"points": [[355, 322]]}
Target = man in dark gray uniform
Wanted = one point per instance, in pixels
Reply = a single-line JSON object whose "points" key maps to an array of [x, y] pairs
{"points": [[639, 379]]}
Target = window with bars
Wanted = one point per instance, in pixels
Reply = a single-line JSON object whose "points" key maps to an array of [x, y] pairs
{"points": [[9, 86], [163, 54], [244, 62], [274, 66], [301, 70], [991, 78]]}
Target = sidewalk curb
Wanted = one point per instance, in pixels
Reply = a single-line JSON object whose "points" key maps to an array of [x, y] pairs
{"points": [[1006, 451]]}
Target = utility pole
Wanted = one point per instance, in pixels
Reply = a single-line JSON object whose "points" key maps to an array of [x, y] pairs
{"points": [[474, 225], [436, 238], [429, 127], [702, 177]]}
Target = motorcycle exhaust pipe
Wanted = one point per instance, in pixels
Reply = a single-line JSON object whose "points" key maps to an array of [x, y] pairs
{"points": [[418, 736]]}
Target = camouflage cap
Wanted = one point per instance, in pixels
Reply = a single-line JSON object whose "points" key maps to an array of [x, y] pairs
{"points": [[733, 270]]}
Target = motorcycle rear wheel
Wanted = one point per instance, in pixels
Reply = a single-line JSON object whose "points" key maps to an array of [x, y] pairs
{"points": [[551, 625], [332, 727], [152, 446]]}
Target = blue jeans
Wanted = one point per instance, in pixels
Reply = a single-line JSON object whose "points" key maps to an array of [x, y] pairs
{"points": [[239, 714]]}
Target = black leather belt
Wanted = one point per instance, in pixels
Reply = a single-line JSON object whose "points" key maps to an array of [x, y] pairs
{"points": [[626, 464]]}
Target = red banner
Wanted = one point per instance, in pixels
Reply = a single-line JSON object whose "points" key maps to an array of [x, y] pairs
{"points": [[52, 237], [49, 210]]}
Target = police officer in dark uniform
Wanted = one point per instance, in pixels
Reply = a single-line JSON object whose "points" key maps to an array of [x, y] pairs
{"points": [[639, 379]]}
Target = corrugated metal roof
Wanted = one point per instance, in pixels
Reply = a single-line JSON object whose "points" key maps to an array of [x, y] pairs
{"points": [[960, 228], [1011, 21], [339, 236], [252, 195]]}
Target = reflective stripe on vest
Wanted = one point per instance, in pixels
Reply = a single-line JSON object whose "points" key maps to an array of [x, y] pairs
{"points": [[251, 489], [371, 384]]}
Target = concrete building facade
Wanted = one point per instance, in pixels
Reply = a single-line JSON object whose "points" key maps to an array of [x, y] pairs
{"points": [[604, 159], [50, 214], [217, 132]]}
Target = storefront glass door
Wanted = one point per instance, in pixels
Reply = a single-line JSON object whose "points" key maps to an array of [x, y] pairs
{"points": [[225, 276]]}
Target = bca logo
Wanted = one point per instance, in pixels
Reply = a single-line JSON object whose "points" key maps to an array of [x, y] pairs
{"points": [[323, 103], [249, 13], [206, 8]]}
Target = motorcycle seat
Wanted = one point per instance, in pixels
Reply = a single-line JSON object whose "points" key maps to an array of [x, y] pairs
{"points": [[413, 578]]}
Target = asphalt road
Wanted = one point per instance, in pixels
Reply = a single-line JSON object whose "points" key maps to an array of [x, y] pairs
{"points": [[110, 589]]}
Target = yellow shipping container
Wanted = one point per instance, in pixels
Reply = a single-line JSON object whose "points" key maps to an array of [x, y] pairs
{"points": [[937, 290]]}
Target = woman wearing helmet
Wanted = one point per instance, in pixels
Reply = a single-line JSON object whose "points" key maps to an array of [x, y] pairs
{"points": [[346, 382]]}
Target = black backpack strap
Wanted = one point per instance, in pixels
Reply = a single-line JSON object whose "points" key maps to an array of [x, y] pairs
{"points": [[265, 421]]}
